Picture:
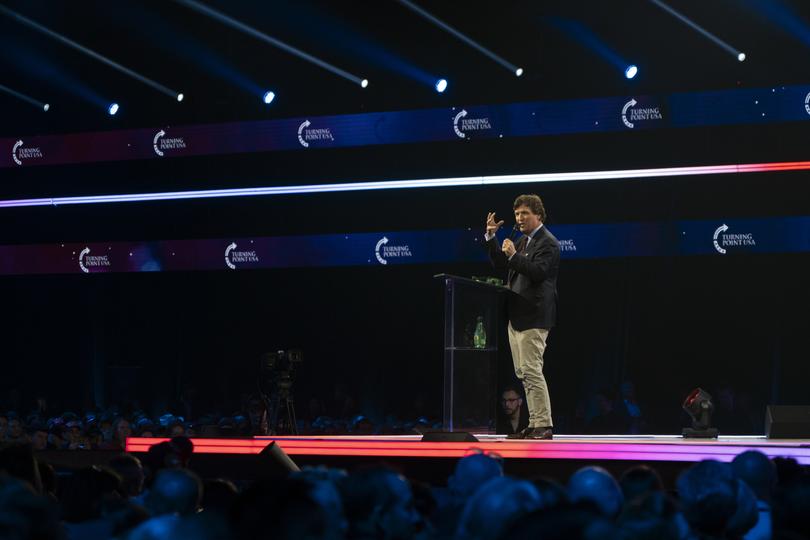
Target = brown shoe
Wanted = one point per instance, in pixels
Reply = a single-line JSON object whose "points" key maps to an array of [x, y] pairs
{"points": [[519, 434], [539, 433]]}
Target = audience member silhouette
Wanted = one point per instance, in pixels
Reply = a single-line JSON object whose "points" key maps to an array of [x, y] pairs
{"points": [[596, 486]]}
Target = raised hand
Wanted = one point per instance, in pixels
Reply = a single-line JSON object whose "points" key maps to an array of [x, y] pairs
{"points": [[492, 225]]}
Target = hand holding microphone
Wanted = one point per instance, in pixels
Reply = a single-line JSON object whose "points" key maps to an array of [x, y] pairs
{"points": [[508, 246]]}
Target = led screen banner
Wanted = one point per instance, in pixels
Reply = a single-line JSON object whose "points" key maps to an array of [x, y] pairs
{"points": [[717, 238], [599, 115]]}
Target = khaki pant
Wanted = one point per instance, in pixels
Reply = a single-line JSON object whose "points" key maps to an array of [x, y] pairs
{"points": [[528, 347]]}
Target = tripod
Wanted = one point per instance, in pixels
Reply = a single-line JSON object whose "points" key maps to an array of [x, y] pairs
{"points": [[281, 398]]}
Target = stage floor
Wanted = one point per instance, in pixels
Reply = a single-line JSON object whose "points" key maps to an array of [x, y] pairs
{"points": [[638, 448]]}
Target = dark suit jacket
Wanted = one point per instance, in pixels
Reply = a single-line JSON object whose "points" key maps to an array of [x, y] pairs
{"points": [[533, 277]]}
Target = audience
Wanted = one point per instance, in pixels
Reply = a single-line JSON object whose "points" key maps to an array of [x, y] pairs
{"points": [[157, 495]]}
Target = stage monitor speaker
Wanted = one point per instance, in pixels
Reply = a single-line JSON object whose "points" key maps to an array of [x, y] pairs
{"points": [[787, 422], [273, 461], [448, 436]]}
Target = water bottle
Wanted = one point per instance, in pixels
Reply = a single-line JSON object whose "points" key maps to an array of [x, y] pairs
{"points": [[480, 335]]}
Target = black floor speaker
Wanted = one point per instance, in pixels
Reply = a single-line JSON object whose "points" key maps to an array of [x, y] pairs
{"points": [[787, 422], [448, 436]]}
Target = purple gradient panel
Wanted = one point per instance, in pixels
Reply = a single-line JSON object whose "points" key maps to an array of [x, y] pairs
{"points": [[661, 452]]}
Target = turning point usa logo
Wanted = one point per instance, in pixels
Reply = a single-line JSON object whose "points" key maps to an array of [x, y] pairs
{"points": [[723, 239], [462, 124], [307, 135], [87, 261], [634, 112], [383, 251], [161, 143], [233, 258], [19, 153]]}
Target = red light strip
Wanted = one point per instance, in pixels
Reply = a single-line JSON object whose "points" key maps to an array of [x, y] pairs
{"points": [[558, 449]]}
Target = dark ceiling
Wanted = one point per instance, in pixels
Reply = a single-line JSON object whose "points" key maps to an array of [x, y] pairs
{"points": [[223, 72]]}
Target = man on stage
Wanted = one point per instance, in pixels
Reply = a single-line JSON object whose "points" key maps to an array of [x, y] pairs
{"points": [[533, 264]]}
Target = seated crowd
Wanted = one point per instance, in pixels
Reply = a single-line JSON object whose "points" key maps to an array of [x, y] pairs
{"points": [[108, 430], [159, 496]]}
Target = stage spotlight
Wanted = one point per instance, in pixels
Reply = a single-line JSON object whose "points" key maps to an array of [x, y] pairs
{"points": [[631, 71], [519, 72], [269, 97], [452, 31], [180, 97], [698, 405], [113, 109], [28, 99], [708, 35], [441, 85]]}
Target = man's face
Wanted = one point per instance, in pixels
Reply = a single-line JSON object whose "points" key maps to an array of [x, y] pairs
{"points": [[14, 428], [527, 220], [124, 430], [510, 402], [39, 440]]}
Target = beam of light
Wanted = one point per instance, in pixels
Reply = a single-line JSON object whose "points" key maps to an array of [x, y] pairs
{"points": [[441, 85], [268, 97], [739, 55], [112, 110], [585, 37], [781, 15], [28, 99], [27, 59], [631, 71], [249, 30], [88, 52], [353, 41], [177, 43], [415, 184], [450, 30]]}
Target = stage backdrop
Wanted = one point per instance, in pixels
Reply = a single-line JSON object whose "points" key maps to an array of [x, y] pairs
{"points": [[669, 283]]}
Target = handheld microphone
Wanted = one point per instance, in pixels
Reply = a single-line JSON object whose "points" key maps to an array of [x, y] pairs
{"points": [[513, 234]]}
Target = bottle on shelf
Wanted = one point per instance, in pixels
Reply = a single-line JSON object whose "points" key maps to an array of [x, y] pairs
{"points": [[480, 335]]}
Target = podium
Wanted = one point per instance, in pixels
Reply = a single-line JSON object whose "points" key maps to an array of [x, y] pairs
{"points": [[471, 374]]}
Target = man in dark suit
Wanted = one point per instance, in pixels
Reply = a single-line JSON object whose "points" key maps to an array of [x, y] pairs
{"points": [[533, 264]]}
